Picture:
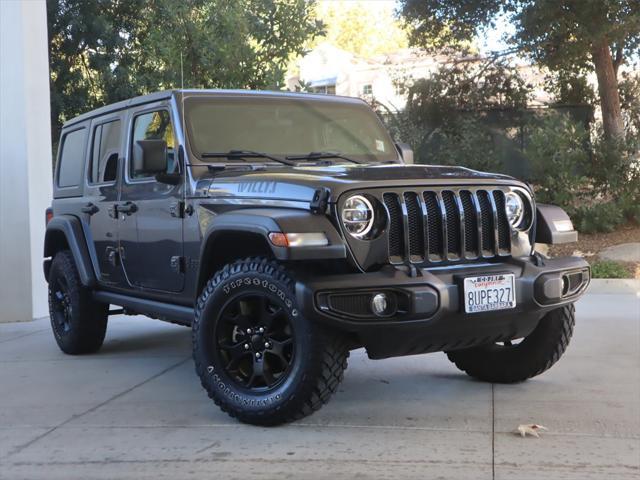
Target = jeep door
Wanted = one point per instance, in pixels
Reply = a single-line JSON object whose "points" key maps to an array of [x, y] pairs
{"points": [[106, 145], [150, 223]]}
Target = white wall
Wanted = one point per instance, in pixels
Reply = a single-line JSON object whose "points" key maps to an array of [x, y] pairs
{"points": [[25, 158]]}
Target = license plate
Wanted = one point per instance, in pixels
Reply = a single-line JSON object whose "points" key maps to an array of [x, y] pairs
{"points": [[486, 293]]}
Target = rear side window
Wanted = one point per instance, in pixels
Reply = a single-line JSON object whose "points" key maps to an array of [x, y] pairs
{"points": [[105, 151], [72, 158]]}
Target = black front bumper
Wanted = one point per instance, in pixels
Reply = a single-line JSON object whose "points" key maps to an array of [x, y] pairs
{"points": [[430, 314]]}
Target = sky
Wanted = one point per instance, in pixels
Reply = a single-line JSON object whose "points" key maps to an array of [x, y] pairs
{"points": [[493, 40]]}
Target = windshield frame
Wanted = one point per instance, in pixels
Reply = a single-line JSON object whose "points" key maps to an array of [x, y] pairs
{"points": [[213, 97]]}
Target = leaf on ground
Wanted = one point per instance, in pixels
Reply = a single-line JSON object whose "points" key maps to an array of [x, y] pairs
{"points": [[531, 429]]}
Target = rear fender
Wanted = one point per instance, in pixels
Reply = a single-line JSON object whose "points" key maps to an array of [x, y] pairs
{"points": [[65, 232]]}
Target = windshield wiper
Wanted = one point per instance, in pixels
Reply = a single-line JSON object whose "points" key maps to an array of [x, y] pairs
{"points": [[239, 154], [321, 156]]}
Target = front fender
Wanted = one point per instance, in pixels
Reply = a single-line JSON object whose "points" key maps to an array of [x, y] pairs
{"points": [[553, 225], [263, 221]]}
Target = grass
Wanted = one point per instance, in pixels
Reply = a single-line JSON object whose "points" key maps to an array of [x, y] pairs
{"points": [[609, 269]]}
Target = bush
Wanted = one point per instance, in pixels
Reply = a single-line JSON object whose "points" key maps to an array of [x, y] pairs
{"points": [[630, 208], [615, 165], [465, 142], [558, 159], [601, 217], [609, 269], [597, 181], [475, 116]]}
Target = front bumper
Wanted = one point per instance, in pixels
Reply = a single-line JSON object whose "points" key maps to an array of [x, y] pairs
{"points": [[430, 315]]}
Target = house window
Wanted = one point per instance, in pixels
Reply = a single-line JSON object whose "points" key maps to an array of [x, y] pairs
{"points": [[328, 89], [367, 89]]}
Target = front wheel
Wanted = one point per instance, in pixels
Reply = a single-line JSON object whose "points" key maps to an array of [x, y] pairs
{"points": [[257, 357], [510, 362]]}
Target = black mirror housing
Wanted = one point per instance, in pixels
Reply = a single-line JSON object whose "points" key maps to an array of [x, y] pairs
{"points": [[154, 157], [168, 178], [405, 152]]}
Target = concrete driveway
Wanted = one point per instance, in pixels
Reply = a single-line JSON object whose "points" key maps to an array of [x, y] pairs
{"points": [[136, 410]]}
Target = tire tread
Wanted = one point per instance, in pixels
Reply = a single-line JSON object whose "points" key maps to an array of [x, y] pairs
{"points": [[552, 336], [331, 349], [92, 316]]}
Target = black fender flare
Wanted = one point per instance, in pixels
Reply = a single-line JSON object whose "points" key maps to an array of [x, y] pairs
{"points": [[553, 225], [70, 227], [263, 221]]}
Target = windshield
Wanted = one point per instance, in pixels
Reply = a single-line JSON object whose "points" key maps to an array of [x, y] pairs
{"points": [[284, 127]]}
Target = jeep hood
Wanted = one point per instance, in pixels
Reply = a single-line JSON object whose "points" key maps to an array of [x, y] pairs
{"points": [[300, 183]]}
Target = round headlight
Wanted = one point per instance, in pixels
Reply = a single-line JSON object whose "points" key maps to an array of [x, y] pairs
{"points": [[514, 207], [357, 216]]}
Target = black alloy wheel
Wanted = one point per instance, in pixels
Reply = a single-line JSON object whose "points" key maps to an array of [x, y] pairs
{"points": [[62, 308], [256, 342]]}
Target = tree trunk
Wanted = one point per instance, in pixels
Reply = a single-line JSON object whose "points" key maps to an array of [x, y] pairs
{"points": [[608, 89]]}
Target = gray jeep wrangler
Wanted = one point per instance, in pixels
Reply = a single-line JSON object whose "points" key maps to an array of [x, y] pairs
{"points": [[288, 229]]}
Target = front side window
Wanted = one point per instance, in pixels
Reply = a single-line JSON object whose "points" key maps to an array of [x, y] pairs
{"points": [[152, 132], [72, 158], [105, 152], [284, 126]]}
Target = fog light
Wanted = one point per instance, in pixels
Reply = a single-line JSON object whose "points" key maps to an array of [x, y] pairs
{"points": [[565, 285], [379, 304]]}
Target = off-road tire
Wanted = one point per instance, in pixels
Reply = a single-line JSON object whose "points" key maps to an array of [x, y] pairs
{"points": [[535, 354], [320, 356], [86, 323]]}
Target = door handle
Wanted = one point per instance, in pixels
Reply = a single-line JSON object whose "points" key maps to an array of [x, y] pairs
{"points": [[127, 207], [90, 209]]}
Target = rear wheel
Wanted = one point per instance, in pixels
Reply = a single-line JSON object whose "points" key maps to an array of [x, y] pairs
{"points": [[79, 323], [257, 357], [517, 360]]}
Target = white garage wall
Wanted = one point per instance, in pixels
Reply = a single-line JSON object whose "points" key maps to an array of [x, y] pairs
{"points": [[25, 157]]}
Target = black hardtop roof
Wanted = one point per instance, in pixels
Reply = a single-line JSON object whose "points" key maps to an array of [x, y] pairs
{"points": [[167, 94]]}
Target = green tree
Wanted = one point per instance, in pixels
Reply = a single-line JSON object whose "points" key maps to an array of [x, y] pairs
{"points": [[570, 88], [446, 121], [102, 51], [364, 29], [463, 87], [90, 55], [221, 43], [630, 102], [561, 34]]}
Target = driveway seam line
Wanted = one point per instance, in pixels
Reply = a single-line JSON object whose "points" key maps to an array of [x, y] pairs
{"points": [[493, 431], [24, 335], [22, 447]]}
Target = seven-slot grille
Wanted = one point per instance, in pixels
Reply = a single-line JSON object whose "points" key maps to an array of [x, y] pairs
{"points": [[446, 225]]}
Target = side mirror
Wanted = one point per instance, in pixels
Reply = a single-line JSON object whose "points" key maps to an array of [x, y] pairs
{"points": [[151, 157], [405, 152], [174, 177], [168, 178]]}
